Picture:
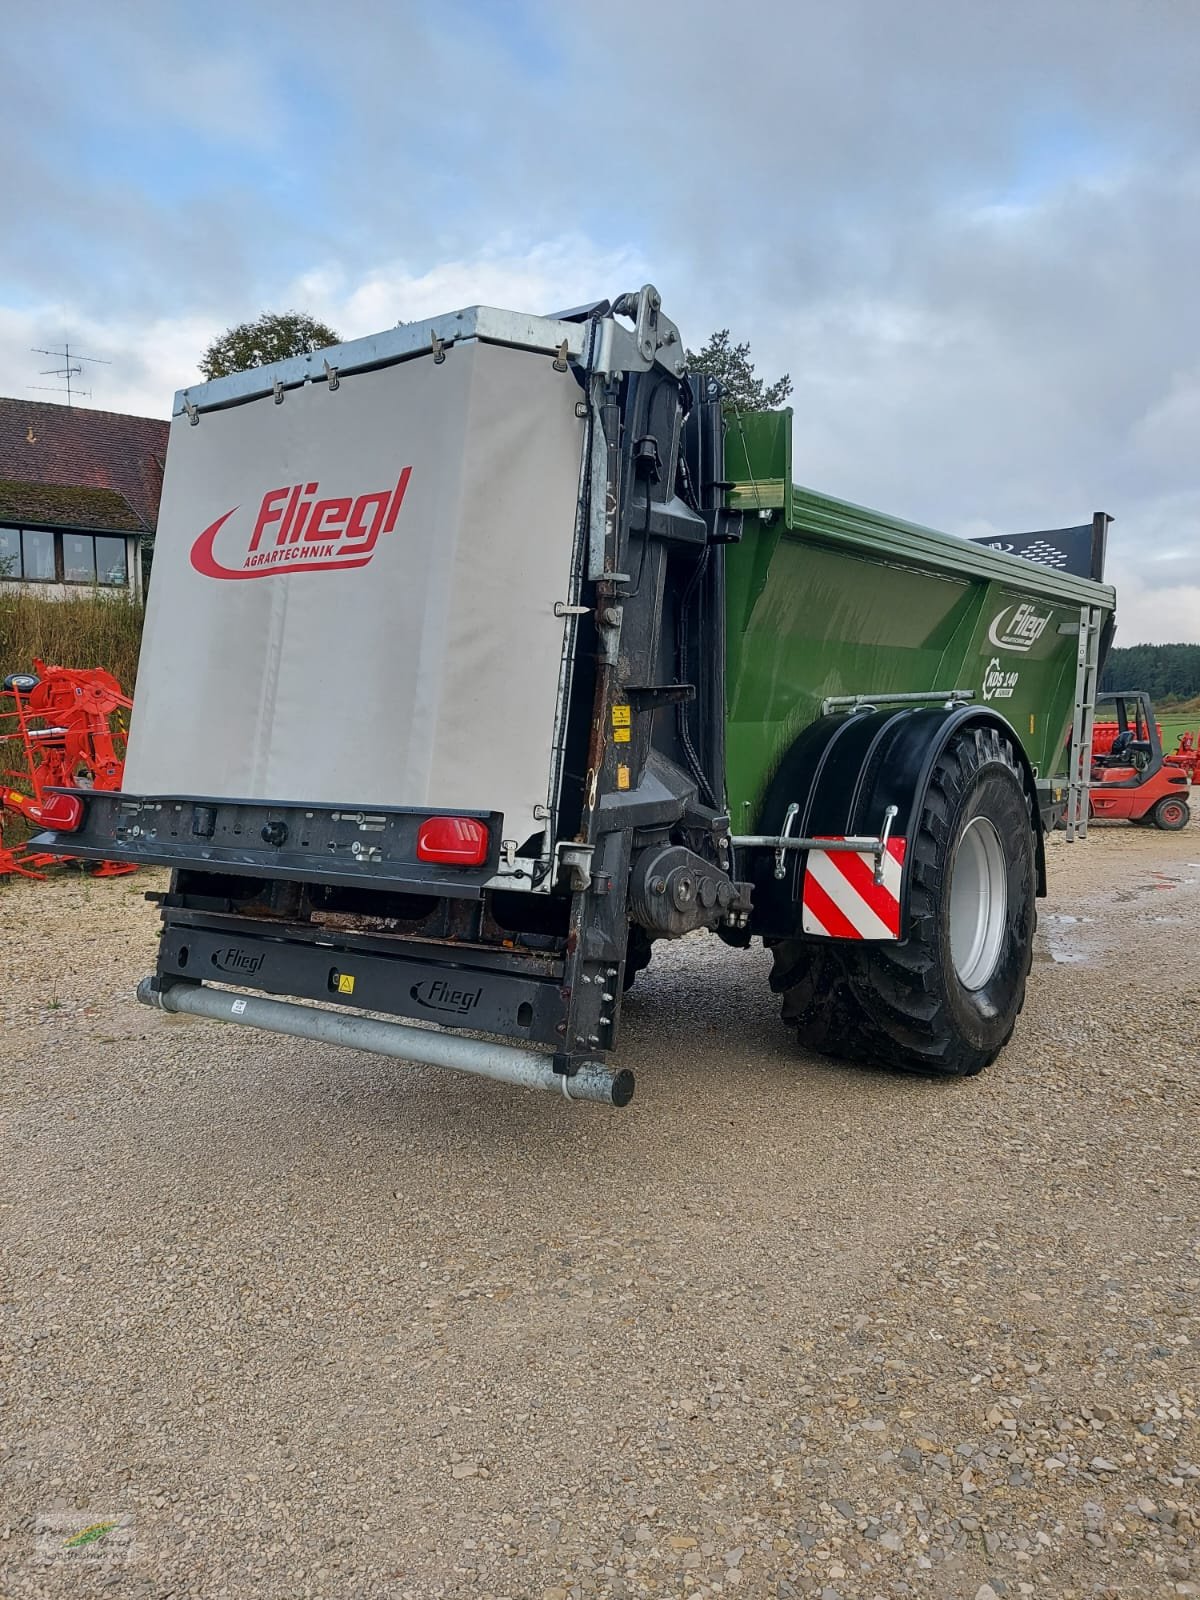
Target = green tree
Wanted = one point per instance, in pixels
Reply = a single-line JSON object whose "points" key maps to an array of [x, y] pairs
{"points": [[731, 363], [274, 336]]}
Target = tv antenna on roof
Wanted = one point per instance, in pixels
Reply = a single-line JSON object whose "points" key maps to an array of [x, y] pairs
{"points": [[69, 371]]}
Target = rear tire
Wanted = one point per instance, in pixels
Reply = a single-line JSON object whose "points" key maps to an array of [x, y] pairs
{"points": [[638, 953], [945, 1002], [1171, 813]]}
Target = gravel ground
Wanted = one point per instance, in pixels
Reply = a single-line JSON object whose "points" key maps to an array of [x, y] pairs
{"points": [[305, 1322]]}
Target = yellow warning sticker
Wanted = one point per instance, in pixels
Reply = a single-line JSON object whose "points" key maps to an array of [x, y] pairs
{"points": [[622, 777], [345, 983], [621, 735], [622, 716]]}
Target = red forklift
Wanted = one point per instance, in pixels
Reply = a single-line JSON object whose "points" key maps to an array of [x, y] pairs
{"points": [[1132, 780]]}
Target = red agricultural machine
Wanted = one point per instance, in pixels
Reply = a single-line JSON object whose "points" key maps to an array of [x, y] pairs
{"points": [[1185, 756], [1131, 777], [60, 728]]}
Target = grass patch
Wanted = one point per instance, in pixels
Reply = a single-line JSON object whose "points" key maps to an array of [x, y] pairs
{"points": [[1173, 727], [88, 631]]}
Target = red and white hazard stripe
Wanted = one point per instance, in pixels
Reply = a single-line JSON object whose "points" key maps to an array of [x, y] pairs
{"points": [[842, 899]]}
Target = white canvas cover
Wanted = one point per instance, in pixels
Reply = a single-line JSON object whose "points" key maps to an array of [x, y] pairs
{"points": [[352, 598]]}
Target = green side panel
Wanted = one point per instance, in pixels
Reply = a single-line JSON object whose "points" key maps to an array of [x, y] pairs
{"points": [[758, 461], [825, 598]]}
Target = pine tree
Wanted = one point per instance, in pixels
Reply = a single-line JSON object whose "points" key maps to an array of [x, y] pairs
{"points": [[731, 364]]}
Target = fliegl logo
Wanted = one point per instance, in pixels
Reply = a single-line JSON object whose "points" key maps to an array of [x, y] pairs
{"points": [[234, 959], [298, 531], [438, 995], [1018, 627]]}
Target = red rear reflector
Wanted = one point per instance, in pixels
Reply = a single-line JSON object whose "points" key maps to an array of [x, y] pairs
{"points": [[456, 841], [62, 812]]}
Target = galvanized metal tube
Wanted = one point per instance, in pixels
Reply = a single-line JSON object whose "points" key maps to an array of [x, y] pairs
{"points": [[836, 702], [506, 1063], [773, 841]]}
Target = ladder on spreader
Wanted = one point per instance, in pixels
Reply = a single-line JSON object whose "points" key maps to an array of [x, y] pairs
{"points": [[1087, 672]]}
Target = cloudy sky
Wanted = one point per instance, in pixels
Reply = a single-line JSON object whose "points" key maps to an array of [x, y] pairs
{"points": [[969, 229]]}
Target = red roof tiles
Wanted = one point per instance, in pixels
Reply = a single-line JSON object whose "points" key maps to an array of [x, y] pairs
{"points": [[74, 447]]}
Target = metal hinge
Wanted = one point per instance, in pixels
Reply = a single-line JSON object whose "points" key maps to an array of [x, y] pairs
{"points": [[576, 861]]}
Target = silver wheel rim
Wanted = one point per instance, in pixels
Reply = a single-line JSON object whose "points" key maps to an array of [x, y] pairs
{"points": [[978, 903]]}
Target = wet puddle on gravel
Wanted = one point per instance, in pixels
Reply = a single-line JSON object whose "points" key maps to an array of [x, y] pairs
{"points": [[1054, 942], [1061, 939], [1158, 880], [1047, 949]]}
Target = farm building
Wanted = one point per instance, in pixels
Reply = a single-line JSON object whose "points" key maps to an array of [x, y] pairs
{"points": [[79, 491]]}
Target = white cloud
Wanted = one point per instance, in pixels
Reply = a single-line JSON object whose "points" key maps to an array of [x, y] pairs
{"points": [[546, 277], [150, 361]]}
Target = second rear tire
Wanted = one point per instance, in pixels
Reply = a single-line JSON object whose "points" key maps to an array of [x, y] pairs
{"points": [[944, 1002]]}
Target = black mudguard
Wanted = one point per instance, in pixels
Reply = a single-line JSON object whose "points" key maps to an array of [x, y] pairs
{"points": [[844, 772]]}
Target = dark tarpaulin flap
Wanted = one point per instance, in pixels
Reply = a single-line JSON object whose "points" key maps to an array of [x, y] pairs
{"points": [[1079, 551]]}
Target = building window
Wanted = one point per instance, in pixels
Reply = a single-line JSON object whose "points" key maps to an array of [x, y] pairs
{"points": [[79, 558], [111, 567], [38, 555]]}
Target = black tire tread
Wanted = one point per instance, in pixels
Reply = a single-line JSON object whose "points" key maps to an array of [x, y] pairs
{"points": [[639, 952], [878, 1005]]}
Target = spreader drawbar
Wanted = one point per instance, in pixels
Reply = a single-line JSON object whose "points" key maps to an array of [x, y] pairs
{"points": [[527, 1069]]}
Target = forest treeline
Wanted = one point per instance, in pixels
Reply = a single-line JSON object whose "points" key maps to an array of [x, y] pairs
{"points": [[1166, 671]]}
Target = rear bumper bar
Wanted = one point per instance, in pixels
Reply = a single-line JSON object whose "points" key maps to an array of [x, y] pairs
{"points": [[374, 846], [526, 1069], [451, 986]]}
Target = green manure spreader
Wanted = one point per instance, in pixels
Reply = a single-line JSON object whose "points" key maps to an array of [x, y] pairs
{"points": [[483, 653]]}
